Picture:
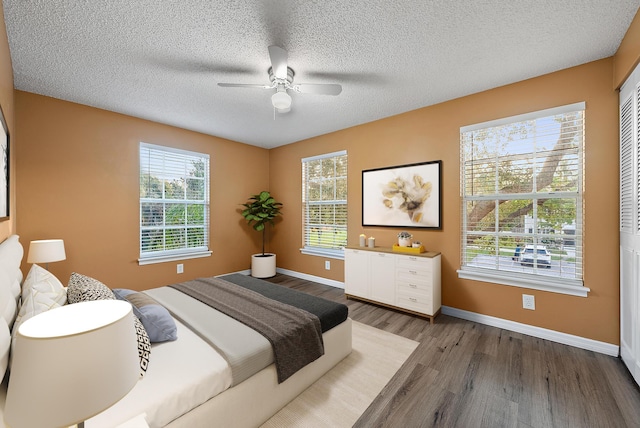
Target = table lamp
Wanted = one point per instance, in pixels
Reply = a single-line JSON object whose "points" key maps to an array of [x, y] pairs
{"points": [[45, 251], [71, 363]]}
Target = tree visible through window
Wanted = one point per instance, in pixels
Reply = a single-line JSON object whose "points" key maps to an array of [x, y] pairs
{"points": [[324, 199], [522, 197], [174, 201]]}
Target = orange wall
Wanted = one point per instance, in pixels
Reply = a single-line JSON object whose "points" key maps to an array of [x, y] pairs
{"points": [[628, 54], [77, 170], [7, 227], [432, 133]]}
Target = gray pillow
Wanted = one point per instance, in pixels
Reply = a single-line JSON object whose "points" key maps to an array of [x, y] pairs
{"points": [[156, 318]]}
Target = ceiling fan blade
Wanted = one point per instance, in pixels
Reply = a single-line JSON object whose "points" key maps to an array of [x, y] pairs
{"points": [[244, 85], [318, 88], [278, 61]]}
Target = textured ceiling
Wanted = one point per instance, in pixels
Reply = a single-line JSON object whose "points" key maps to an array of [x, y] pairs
{"points": [[162, 60]]}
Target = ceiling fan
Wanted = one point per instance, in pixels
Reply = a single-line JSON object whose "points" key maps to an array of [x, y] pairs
{"points": [[281, 78]]}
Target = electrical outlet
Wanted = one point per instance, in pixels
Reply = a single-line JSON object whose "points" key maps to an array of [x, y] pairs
{"points": [[327, 265], [180, 268], [529, 302]]}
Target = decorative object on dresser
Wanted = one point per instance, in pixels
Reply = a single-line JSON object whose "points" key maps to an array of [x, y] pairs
{"points": [[46, 251], [408, 282], [404, 239], [403, 196], [258, 211], [71, 363]]}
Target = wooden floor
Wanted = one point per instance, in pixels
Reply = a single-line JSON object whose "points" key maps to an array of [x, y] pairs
{"points": [[465, 374]]}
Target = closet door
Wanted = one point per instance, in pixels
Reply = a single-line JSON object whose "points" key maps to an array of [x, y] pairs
{"points": [[630, 224]]}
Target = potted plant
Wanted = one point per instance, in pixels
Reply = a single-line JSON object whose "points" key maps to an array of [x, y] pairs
{"points": [[258, 211], [404, 239]]}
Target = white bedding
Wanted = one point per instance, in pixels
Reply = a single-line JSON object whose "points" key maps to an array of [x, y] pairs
{"points": [[182, 375]]}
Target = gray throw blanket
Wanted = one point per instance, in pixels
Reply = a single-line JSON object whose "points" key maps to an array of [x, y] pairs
{"points": [[294, 334]]}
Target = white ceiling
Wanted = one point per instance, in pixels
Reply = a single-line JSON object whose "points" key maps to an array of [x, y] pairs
{"points": [[162, 60]]}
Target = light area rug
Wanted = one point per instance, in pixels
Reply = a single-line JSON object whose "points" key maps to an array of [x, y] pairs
{"points": [[339, 397]]}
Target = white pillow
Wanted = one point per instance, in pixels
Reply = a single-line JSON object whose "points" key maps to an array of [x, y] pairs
{"points": [[41, 292], [40, 280]]}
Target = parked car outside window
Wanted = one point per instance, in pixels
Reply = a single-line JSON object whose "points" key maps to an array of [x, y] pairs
{"points": [[539, 253]]}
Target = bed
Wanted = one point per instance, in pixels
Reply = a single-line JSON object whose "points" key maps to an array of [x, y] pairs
{"points": [[189, 382]]}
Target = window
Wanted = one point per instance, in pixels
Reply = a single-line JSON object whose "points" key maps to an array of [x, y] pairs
{"points": [[174, 204], [324, 204], [522, 207]]}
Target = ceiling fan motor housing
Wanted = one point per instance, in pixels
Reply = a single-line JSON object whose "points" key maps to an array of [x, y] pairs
{"points": [[289, 80]]}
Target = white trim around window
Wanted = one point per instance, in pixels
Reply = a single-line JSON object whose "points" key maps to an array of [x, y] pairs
{"points": [[522, 200], [174, 204], [324, 205]]}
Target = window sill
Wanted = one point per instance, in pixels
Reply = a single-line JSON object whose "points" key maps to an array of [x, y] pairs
{"points": [[331, 254], [544, 283], [173, 257]]}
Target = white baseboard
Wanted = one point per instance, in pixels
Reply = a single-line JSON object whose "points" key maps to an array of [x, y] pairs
{"points": [[542, 333], [313, 278]]}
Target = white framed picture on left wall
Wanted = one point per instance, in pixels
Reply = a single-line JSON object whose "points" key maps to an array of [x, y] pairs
{"points": [[4, 168]]}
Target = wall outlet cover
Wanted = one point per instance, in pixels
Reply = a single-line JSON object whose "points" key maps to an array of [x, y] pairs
{"points": [[528, 302]]}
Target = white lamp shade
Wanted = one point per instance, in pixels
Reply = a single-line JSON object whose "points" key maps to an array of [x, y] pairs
{"points": [[71, 363], [281, 100], [46, 250]]}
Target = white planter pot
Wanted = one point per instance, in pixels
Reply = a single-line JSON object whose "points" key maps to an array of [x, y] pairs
{"points": [[404, 242], [263, 266]]}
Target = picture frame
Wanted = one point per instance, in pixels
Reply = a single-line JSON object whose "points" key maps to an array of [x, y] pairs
{"points": [[4, 169], [403, 196]]}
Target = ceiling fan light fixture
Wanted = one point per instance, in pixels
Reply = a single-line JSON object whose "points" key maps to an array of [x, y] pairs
{"points": [[281, 101]]}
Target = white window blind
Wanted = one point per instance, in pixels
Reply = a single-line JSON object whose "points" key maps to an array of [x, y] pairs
{"points": [[522, 207], [324, 204], [174, 204]]}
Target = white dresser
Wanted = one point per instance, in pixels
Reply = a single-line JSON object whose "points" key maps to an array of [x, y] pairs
{"points": [[408, 282]]}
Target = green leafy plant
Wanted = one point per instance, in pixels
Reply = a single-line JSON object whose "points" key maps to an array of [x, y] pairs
{"points": [[260, 210]]}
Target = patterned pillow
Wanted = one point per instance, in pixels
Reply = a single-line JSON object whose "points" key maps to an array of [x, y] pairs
{"points": [[156, 318], [83, 288]]}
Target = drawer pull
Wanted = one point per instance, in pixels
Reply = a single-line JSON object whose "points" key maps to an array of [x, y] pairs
{"points": [[413, 286], [413, 272], [412, 258], [413, 299]]}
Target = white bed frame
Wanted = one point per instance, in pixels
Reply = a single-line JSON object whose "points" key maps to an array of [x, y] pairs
{"points": [[254, 401], [248, 404]]}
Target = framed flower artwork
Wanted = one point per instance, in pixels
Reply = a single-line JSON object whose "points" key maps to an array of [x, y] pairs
{"points": [[403, 196]]}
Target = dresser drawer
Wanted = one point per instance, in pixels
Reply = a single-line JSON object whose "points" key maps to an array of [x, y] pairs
{"points": [[414, 263], [413, 287], [413, 275], [415, 302]]}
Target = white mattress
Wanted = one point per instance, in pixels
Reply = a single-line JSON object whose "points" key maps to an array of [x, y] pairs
{"points": [[181, 375]]}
